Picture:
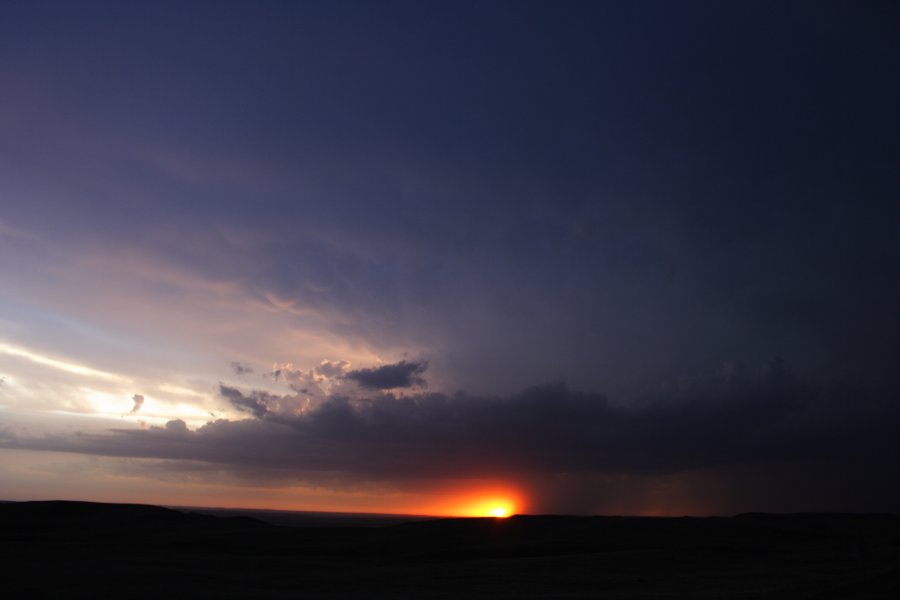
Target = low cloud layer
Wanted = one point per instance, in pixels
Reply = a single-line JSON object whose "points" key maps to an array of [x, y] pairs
{"points": [[729, 423]]}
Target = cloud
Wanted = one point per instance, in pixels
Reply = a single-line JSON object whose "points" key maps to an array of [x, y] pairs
{"points": [[716, 422], [177, 427], [241, 368], [264, 404], [403, 374], [255, 403], [61, 365], [324, 379], [333, 368], [138, 403], [765, 432]]}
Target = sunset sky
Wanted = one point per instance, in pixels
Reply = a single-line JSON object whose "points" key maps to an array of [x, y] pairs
{"points": [[450, 257]]}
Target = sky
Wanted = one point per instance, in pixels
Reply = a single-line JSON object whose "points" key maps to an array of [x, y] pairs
{"points": [[444, 257]]}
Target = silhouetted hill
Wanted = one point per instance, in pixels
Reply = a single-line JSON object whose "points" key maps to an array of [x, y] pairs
{"points": [[50, 549], [64, 515], [294, 518]]}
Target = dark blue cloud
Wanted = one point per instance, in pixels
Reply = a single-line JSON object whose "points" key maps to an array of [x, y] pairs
{"points": [[404, 374]]}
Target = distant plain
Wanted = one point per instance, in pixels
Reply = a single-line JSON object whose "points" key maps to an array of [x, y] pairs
{"points": [[54, 549]]}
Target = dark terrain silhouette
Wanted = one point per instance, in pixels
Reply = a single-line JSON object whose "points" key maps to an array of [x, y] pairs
{"points": [[79, 549]]}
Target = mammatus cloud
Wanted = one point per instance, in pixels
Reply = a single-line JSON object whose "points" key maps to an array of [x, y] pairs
{"points": [[138, 403], [403, 374], [729, 423], [241, 368]]}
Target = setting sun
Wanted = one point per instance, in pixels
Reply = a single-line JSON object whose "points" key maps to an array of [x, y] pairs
{"points": [[499, 508], [480, 499]]}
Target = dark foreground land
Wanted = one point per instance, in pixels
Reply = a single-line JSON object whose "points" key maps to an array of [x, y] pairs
{"points": [[74, 549]]}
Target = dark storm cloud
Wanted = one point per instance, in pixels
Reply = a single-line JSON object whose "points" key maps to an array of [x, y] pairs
{"points": [[729, 422], [572, 192], [404, 374]]}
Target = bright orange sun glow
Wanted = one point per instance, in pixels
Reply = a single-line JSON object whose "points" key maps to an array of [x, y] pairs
{"points": [[488, 499], [493, 506]]}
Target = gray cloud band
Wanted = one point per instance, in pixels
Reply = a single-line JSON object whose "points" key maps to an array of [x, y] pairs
{"points": [[713, 423]]}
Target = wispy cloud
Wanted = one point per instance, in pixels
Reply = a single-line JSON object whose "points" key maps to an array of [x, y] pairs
{"points": [[240, 368], [61, 365]]}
